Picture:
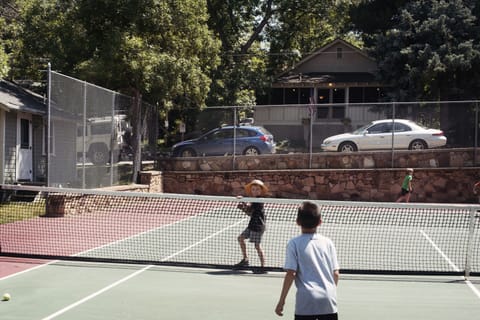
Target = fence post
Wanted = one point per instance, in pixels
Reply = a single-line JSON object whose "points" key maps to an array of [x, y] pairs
{"points": [[49, 120], [393, 135], [476, 135], [234, 137]]}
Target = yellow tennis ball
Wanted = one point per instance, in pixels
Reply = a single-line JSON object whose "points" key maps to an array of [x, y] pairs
{"points": [[6, 297]]}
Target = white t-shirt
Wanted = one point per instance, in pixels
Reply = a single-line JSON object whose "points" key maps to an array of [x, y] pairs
{"points": [[314, 259]]}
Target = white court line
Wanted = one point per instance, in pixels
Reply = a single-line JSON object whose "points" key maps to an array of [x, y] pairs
{"points": [[203, 240], [79, 302], [138, 234], [92, 249], [473, 288], [457, 269], [99, 247], [444, 256]]}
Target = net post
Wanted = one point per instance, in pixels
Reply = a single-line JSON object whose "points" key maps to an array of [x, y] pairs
{"points": [[471, 232], [49, 121]]}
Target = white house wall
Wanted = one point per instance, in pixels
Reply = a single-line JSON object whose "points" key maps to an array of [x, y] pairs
{"points": [[10, 147]]}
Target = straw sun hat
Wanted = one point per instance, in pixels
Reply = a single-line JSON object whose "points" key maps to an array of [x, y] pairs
{"points": [[259, 183]]}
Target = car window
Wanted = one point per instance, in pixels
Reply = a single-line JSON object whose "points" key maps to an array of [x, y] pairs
{"points": [[361, 129], [242, 133], [101, 128], [380, 128], [262, 130], [227, 134], [400, 127], [214, 135]]}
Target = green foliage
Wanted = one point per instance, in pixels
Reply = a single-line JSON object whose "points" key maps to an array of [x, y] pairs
{"points": [[187, 54], [304, 26], [9, 28], [162, 49], [432, 52]]}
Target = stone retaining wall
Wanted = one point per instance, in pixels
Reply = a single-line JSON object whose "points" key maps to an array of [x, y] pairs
{"points": [[431, 158], [436, 185], [441, 175]]}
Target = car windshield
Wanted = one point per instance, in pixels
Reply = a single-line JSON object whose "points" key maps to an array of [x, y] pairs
{"points": [[361, 129]]}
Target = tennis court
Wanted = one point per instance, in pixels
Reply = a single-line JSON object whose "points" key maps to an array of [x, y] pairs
{"points": [[80, 290], [124, 257]]}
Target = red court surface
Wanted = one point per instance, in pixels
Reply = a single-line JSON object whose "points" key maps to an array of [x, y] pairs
{"points": [[10, 266]]}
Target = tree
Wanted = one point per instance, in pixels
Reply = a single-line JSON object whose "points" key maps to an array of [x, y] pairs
{"points": [[432, 51], [260, 38], [9, 27], [361, 17], [301, 27], [157, 50]]}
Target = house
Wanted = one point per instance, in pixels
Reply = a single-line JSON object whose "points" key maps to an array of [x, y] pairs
{"points": [[333, 86], [22, 131]]}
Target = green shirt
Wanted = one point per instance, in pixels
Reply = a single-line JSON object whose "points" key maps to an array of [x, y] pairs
{"points": [[406, 182]]}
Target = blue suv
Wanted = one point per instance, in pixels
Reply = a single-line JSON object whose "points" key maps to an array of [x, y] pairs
{"points": [[250, 140]]}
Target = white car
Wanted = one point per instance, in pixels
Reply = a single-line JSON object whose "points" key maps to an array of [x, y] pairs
{"points": [[379, 135]]}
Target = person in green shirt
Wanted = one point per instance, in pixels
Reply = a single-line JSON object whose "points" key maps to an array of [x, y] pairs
{"points": [[406, 187]]}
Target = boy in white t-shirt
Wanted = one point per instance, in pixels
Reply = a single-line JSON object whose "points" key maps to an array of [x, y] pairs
{"points": [[311, 261]]}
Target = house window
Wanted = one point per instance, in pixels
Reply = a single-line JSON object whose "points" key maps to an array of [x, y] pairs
{"points": [[277, 96], [339, 53], [355, 95], [305, 94], [291, 96], [373, 94], [365, 94], [336, 100], [338, 97], [24, 134]]}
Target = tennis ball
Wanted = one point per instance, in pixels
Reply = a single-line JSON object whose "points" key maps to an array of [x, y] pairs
{"points": [[6, 297]]}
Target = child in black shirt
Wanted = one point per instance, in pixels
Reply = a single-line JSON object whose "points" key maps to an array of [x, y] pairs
{"points": [[256, 225]]}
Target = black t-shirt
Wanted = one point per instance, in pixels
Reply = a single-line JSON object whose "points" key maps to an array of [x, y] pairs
{"points": [[257, 217]]}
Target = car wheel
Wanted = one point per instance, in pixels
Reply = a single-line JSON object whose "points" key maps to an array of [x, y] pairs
{"points": [[99, 154], [189, 152], [417, 145], [251, 151], [347, 147]]}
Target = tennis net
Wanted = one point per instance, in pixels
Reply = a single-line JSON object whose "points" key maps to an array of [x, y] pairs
{"points": [[194, 230]]}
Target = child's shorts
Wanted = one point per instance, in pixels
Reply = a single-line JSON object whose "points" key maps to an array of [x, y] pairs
{"points": [[254, 236], [404, 192]]}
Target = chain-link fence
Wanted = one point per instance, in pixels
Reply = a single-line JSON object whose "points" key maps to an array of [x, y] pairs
{"points": [[90, 134], [97, 137], [304, 128]]}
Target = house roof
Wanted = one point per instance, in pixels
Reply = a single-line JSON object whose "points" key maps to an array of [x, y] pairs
{"points": [[320, 67], [15, 98]]}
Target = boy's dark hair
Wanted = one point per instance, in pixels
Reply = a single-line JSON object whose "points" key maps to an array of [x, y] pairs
{"points": [[309, 215]]}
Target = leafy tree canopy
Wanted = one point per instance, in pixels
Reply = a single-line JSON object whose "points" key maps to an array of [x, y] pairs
{"points": [[162, 49], [431, 52]]}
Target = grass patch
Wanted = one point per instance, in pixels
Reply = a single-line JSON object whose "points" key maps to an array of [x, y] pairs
{"points": [[17, 211]]}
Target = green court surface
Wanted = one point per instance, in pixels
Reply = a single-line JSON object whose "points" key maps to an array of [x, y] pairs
{"points": [[74, 290]]}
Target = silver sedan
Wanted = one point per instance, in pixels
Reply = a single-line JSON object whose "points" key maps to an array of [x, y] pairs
{"points": [[379, 135]]}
